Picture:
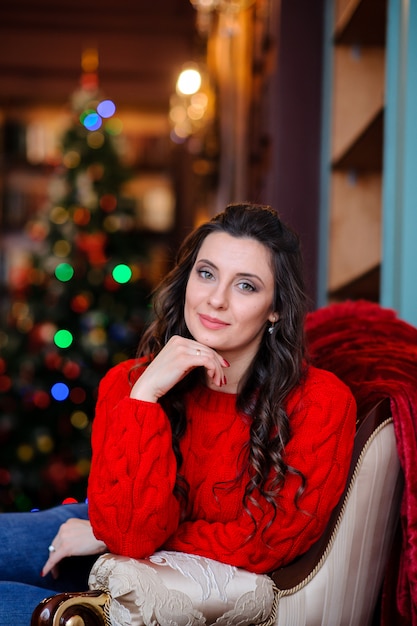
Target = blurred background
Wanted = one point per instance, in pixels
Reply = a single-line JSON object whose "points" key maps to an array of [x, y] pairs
{"points": [[125, 124]]}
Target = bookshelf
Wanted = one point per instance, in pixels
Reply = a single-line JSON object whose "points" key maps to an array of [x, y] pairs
{"points": [[356, 148]]}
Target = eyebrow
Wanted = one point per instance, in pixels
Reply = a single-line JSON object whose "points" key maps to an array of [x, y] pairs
{"points": [[239, 274]]}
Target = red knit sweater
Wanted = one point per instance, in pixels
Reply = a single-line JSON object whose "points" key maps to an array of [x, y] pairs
{"points": [[131, 503]]}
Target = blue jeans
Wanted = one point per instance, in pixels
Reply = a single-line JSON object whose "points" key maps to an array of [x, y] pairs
{"points": [[24, 541]]}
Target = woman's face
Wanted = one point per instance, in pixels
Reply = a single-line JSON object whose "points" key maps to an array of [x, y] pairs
{"points": [[229, 295]]}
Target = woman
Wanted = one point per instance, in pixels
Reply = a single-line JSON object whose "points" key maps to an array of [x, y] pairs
{"points": [[219, 440]]}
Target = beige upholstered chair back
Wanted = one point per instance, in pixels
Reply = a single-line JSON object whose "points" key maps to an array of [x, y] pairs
{"points": [[339, 581]]}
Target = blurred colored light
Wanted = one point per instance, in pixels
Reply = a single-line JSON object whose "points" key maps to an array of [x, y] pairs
{"points": [[89, 60], [45, 444], [78, 395], [111, 223], [199, 100], [58, 215], [97, 336], [85, 113], [81, 302], [25, 452], [178, 114], [71, 159], [106, 108], [108, 202], [64, 272], [60, 391], [36, 276], [61, 248], [113, 126], [46, 332], [41, 399], [89, 81], [96, 170], [92, 121], [83, 467], [95, 140], [63, 338], [79, 420], [70, 501], [71, 370], [5, 383], [122, 273], [37, 230], [189, 81], [24, 325], [53, 360], [81, 216], [5, 476]]}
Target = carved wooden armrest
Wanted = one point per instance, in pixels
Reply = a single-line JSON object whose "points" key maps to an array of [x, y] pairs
{"points": [[82, 608]]}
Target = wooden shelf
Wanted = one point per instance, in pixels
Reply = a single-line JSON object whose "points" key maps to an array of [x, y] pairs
{"points": [[365, 152], [358, 94], [364, 287], [355, 226], [361, 22]]}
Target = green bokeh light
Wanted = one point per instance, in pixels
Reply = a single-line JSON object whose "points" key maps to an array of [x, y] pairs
{"points": [[63, 338], [85, 114], [122, 273], [64, 272]]}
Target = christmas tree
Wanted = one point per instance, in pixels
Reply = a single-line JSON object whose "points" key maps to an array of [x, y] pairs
{"points": [[79, 309]]}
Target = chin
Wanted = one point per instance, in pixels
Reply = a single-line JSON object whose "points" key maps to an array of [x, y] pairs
{"points": [[209, 341]]}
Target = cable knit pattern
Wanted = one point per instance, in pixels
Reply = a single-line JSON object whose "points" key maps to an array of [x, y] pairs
{"points": [[131, 502]]}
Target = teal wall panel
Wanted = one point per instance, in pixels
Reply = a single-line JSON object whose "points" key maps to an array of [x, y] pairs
{"points": [[324, 227], [399, 250]]}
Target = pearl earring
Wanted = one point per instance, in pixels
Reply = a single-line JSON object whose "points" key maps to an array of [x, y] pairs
{"points": [[271, 328]]}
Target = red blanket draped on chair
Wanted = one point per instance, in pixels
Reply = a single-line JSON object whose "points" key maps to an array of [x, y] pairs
{"points": [[375, 353]]}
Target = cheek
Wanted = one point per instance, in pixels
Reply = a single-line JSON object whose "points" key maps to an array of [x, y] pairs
{"points": [[257, 315], [190, 297]]}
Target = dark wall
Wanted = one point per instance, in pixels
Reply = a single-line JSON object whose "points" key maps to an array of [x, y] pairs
{"points": [[294, 186]]}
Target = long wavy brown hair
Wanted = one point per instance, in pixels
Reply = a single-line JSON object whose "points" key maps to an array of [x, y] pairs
{"points": [[278, 366]]}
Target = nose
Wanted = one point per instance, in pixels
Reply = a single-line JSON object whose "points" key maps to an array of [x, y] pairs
{"points": [[218, 296]]}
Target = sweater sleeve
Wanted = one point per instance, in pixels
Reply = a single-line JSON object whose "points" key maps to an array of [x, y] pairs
{"points": [[130, 492], [323, 424]]}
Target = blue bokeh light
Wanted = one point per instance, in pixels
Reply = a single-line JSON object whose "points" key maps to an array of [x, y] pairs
{"points": [[92, 121], [106, 108], [60, 391]]}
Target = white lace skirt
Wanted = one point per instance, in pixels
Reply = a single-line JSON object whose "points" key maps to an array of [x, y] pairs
{"points": [[173, 588]]}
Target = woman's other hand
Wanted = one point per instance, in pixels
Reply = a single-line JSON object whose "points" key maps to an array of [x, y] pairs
{"points": [[177, 358], [75, 538]]}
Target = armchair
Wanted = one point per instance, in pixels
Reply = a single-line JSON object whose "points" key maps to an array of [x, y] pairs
{"points": [[339, 579]]}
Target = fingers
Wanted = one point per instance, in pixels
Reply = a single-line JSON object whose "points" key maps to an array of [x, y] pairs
{"points": [[74, 538], [58, 550], [213, 363], [177, 359], [53, 560], [200, 355]]}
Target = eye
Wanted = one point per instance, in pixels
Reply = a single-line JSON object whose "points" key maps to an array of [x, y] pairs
{"points": [[205, 274], [244, 286]]}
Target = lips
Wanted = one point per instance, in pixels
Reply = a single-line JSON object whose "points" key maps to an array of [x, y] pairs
{"points": [[212, 323]]}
